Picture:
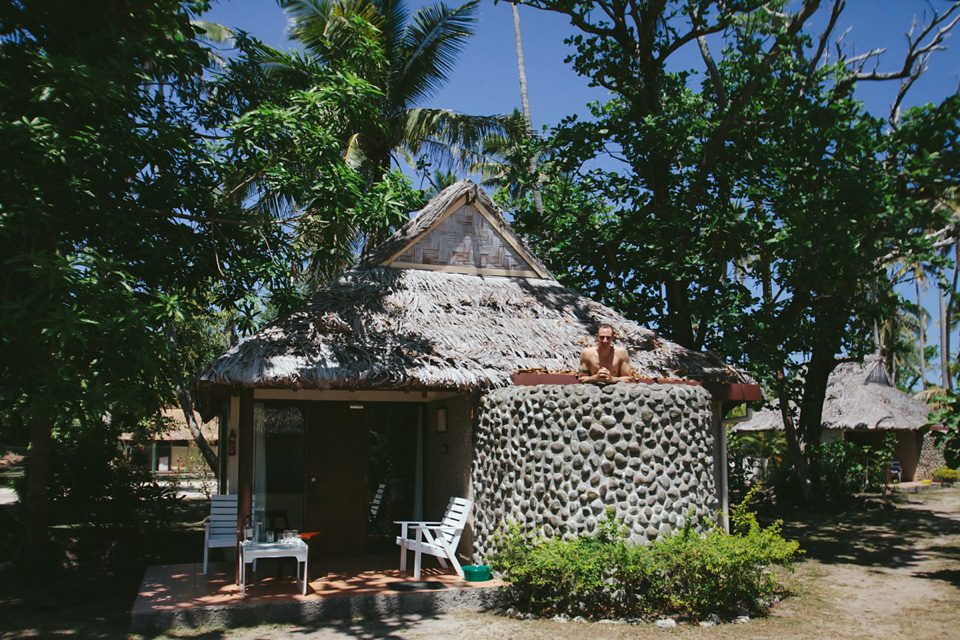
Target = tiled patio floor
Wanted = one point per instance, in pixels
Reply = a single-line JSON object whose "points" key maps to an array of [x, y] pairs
{"points": [[177, 595]]}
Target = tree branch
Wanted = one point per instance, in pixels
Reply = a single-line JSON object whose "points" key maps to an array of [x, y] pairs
{"points": [[915, 61], [838, 7], [708, 60], [715, 143]]}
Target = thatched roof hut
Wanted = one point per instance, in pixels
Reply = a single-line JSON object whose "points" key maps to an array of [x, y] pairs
{"points": [[859, 396], [454, 300], [172, 427]]}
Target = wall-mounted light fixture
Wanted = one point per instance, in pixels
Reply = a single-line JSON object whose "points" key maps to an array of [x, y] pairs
{"points": [[356, 405], [441, 420]]}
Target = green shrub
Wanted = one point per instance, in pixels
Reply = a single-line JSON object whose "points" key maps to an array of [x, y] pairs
{"points": [[603, 575], [843, 468], [93, 483], [839, 468], [756, 458], [946, 474], [561, 576]]}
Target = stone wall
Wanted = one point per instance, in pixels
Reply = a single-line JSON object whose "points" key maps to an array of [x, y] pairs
{"points": [[555, 457], [930, 458]]}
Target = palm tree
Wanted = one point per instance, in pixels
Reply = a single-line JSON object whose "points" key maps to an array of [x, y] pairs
{"points": [[525, 102], [898, 339], [501, 154], [417, 53], [438, 181]]}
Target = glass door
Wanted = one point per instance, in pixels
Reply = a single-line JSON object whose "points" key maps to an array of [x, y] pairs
{"points": [[394, 475]]}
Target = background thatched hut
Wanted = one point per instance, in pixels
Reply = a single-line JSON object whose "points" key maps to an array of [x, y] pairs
{"points": [[172, 447], [862, 406], [384, 380]]}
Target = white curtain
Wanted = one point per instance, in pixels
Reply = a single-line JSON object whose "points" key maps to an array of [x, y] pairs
{"points": [[259, 465]]}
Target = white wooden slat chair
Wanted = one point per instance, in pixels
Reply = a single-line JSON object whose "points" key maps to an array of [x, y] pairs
{"points": [[438, 539], [220, 527], [376, 502]]}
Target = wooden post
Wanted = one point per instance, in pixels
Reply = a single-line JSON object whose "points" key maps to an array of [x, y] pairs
{"points": [[720, 462], [244, 465]]}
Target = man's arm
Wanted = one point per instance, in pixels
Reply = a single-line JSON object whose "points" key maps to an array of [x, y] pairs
{"points": [[583, 374], [586, 365], [626, 369]]}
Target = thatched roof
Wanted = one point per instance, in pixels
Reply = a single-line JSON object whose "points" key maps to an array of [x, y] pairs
{"points": [[444, 325], [859, 396], [174, 427]]}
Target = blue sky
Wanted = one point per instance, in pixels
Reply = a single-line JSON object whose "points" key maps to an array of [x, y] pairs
{"points": [[485, 79]]}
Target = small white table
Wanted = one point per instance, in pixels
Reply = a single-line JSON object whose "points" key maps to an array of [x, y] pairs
{"points": [[250, 552]]}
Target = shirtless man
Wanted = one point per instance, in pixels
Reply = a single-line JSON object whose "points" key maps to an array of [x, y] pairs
{"points": [[605, 363]]}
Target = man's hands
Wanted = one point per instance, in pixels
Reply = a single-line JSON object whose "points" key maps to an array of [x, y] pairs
{"points": [[602, 375]]}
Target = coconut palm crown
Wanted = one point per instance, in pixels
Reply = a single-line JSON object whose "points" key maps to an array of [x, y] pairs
{"points": [[419, 51]]}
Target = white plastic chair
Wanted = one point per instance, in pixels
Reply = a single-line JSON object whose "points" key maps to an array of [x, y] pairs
{"points": [[438, 539], [220, 527]]}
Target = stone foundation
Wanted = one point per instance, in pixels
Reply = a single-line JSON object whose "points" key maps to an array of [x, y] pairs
{"points": [[554, 457]]}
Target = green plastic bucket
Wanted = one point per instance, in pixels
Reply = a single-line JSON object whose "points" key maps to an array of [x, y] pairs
{"points": [[476, 573]]}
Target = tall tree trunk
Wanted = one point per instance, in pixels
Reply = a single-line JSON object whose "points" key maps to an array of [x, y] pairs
{"points": [[948, 316], [923, 338], [821, 365], [944, 345], [793, 444], [525, 102], [36, 557], [789, 427], [186, 402]]}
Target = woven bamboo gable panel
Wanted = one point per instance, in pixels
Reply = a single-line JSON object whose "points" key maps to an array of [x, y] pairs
{"points": [[465, 239]]}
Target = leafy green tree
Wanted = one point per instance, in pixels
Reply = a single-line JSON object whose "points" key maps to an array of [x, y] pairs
{"points": [[354, 84], [96, 172], [754, 206], [126, 224], [290, 155], [944, 427], [417, 53]]}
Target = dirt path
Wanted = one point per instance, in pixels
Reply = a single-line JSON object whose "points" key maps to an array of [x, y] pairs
{"points": [[882, 573]]}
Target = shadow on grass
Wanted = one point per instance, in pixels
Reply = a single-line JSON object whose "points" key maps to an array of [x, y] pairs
{"points": [[898, 537], [93, 579]]}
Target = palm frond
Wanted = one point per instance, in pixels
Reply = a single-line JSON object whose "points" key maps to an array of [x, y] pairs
{"points": [[393, 23], [431, 129], [326, 26], [928, 395], [431, 44], [214, 32]]}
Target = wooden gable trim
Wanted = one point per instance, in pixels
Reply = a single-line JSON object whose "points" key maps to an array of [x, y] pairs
{"points": [[459, 202], [533, 271], [511, 239], [473, 271]]}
